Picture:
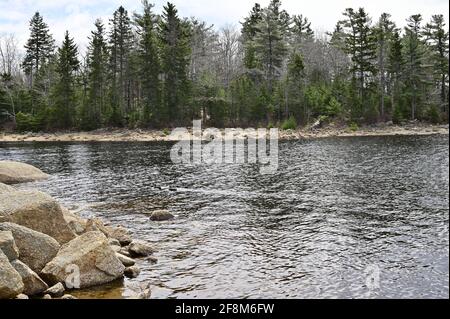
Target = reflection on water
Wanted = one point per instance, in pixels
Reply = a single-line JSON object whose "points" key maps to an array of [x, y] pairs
{"points": [[336, 207]]}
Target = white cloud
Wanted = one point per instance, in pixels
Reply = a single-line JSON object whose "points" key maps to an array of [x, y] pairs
{"points": [[78, 16]]}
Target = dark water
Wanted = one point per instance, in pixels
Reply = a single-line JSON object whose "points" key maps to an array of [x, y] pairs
{"points": [[339, 211]]}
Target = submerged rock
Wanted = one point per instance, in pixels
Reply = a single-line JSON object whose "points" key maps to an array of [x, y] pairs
{"points": [[96, 261], [15, 172], [140, 249], [7, 245], [120, 233], [35, 249], [56, 290], [10, 281], [37, 211], [33, 284], [132, 271], [126, 261], [161, 215]]}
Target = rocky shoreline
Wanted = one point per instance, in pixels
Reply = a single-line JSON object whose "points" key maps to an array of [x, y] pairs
{"points": [[138, 135], [47, 251]]}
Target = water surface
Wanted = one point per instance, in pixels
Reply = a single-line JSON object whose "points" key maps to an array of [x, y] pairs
{"points": [[337, 209]]}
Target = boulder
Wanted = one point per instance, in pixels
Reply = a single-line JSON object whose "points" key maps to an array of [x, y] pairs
{"points": [[124, 251], [67, 296], [46, 296], [126, 261], [120, 233], [35, 249], [11, 283], [95, 224], [33, 284], [56, 290], [96, 261], [75, 223], [114, 242], [22, 297], [15, 172], [6, 188], [8, 246], [37, 211], [132, 271], [161, 215], [140, 249]]}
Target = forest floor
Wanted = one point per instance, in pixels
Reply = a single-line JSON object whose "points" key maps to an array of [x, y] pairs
{"points": [[125, 135]]}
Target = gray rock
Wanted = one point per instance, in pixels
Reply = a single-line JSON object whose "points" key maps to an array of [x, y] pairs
{"points": [[15, 172], [161, 215], [126, 261], [6, 188], [114, 242], [46, 296], [8, 246], [37, 211], [120, 234], [56, 290], [75, 223], [67, 296], [94, 257], [140, 249], [35, 249], [132, 271], [33, 284], [11, 283], [22, 297]]}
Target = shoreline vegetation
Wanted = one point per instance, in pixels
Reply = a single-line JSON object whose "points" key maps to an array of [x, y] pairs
{"points": [[140, 135]]}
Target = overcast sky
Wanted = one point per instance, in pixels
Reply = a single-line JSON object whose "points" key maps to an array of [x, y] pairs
{"points": [[78, 16]]}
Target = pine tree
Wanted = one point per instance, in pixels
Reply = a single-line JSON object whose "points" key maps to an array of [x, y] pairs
{"points": [[360, 44], [149, 62], [438, 40], [120, 44], [384, 32], [65, 95], [249, 30], [175, 51], [301, 30], [414, 66], [40, 46], [395, 68], [97, 78], [270, 44]]}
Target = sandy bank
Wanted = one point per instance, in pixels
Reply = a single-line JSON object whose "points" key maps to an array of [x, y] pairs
{"points": [[125, 135]]}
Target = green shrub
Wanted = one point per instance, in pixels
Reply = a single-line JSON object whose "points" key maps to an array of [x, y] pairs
{"points": [[166, 131], [432, 115], [289, 124], [353, 127]]}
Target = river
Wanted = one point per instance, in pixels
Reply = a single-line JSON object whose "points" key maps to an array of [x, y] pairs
{"points": [[357, 217]]}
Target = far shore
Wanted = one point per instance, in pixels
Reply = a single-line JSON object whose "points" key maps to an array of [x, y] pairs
{"points": [[139, 135]]}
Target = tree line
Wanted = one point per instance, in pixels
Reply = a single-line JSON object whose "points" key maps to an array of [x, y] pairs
{"points": [[154, 70]]}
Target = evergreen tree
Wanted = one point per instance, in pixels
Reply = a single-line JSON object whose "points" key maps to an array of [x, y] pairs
{"points": [[65, 94], [384, 32], [175, 51], [97, 78], [40, 46], [120, 45], [437, 38], [360, 44], [395, 68], [301, 30], [149, 62], [414, 53], [249, 30]]}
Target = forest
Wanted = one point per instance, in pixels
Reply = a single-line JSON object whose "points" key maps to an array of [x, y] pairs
{"points": [[160, 70]]}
